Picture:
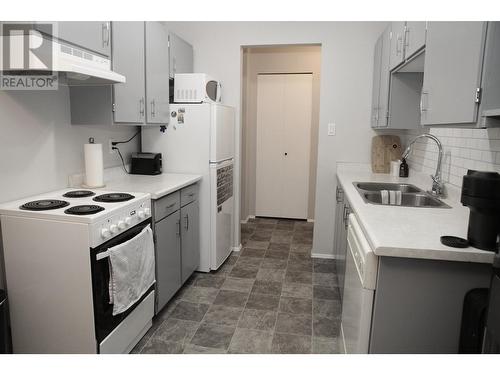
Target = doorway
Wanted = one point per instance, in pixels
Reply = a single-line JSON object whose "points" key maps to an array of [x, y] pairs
{"points": [[283, 145], [280, 121]]}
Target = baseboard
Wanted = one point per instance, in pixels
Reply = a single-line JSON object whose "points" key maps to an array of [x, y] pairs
{"points": [[322, 256], [248, 218], [237, 248]]}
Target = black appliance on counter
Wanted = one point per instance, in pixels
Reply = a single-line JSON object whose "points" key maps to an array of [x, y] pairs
{"points": [[148, 163], [481, 312], [481, 193]]}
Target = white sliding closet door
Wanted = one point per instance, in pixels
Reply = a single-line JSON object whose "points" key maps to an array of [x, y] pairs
{"points": [[283, 145]]}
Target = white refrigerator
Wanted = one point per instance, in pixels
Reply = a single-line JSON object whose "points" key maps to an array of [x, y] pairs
{"points": [[200, 139]]}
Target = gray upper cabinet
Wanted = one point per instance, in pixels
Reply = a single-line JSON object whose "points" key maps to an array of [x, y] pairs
{"points": [[181, 55], [397, 44], [92, 35], [490, 88], [140, 52], [157, 75], [190, 239], [414, 37], [452, 72], [383, 118], [128, 59], [381, 78], [376, 82]]}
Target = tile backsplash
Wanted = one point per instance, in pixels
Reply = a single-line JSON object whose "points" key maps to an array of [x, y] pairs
{"points": [[462, 149]]}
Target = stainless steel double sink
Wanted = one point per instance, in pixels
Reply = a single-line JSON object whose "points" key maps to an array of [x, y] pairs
{"points": [[411, 196]]}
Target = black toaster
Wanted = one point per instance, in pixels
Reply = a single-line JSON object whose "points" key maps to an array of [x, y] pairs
{"points": [[146, 163]]}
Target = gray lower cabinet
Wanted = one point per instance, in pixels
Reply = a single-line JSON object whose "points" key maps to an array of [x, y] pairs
{"points": [[181, 55], [177, 242], [342, 211], [452, 72], [190, 239], [168, 258], [418, 304]]}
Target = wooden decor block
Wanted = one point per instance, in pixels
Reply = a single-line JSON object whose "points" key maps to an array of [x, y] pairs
{"points": [[385, 148]]}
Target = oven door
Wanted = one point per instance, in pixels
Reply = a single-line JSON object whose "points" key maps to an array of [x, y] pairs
{"points": [[105, 322]]}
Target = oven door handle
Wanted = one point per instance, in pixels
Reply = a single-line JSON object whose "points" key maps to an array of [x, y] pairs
{"points": [[121, 238]]}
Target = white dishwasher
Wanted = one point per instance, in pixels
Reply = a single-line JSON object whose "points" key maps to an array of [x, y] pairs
{"points": [[359, 290]]}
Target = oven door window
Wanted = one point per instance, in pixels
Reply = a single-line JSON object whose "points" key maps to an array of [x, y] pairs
{"points": [[105, 322]]}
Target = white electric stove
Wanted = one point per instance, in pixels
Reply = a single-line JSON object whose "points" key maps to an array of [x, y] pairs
{"points": [[57, 275]]}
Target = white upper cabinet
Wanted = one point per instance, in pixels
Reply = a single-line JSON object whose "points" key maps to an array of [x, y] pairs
{"points": [[452, 72]]}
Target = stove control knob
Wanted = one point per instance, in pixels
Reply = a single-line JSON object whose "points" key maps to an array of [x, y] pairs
{"points": [[147, 211], [141, 214], [113, 228], [105, 233], [128, 220], [121, 224]]}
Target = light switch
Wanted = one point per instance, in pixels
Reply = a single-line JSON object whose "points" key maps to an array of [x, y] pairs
{"points": [[331, 129]]}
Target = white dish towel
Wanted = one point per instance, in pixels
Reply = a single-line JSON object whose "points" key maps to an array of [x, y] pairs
{"points": [[131, 270], [393, 197]]}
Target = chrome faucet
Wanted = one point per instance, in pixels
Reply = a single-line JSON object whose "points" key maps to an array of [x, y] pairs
{"points": [[437, 182]]}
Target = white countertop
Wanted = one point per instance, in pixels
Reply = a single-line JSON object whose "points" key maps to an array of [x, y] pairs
{"points": [[158, 185], [409, 232]]}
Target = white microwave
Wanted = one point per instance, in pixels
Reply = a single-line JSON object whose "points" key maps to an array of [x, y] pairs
{"points": [[196, 88]]}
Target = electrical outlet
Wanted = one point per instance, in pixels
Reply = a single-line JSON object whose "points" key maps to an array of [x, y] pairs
{"points": [[331, 129], [110, 146]]}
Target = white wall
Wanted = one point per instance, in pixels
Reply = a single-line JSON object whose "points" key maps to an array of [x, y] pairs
{"points": [[346, 81], [39, 147], [291, 59]]}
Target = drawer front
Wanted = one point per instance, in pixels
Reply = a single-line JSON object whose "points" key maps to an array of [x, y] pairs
{"points": [[166, 205], [189, 194]]}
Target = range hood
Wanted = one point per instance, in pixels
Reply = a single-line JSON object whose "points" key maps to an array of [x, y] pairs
{"points": [[75, 66]]}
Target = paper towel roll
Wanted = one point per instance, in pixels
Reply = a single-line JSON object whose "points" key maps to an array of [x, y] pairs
{"points": [[395, 168], [94, 169]]}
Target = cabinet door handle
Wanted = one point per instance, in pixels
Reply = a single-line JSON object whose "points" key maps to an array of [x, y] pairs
{"points": [[105, 34], [178, 228], [407, 37], [141, 107], [153, 108], [423, 108], [399, 45], [338, 194], [187, 222]]}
